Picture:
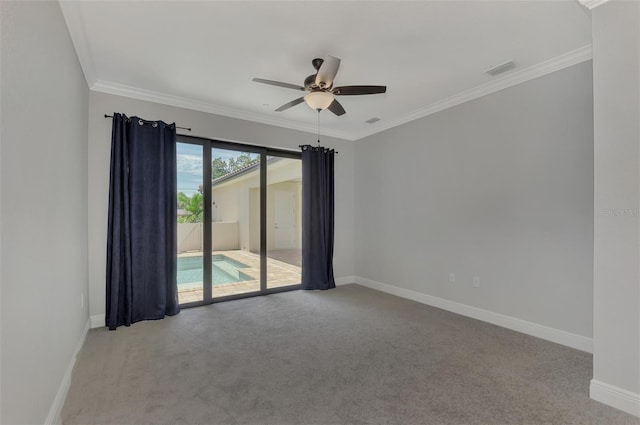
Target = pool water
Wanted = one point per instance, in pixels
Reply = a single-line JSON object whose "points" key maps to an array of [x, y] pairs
{"points": [[225, 270]]}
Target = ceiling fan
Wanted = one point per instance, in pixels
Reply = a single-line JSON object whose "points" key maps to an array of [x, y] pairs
{"points": [[320, 87]]}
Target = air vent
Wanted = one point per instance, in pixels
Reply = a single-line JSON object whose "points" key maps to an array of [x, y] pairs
{"points": [[503, 67], [372, 120]]}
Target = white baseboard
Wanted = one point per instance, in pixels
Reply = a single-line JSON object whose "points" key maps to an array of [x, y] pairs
{"points": [[558, 336], [53, 418], [345, 280], [613, 396], [97, 321]]}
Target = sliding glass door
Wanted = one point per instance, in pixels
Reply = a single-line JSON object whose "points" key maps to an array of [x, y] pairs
{"points": [[235, 222], [239, 229], [284, 221], [190, 222]]}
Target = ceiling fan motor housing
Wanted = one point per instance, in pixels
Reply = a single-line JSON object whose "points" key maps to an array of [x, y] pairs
{"points": [[317, 63], [310, 82]]}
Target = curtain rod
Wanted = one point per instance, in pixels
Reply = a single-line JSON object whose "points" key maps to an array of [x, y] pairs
{"points": [[181, 128], [334, 151]]}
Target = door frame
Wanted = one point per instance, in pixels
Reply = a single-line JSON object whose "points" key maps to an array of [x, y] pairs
{"points": [[264, 152]]}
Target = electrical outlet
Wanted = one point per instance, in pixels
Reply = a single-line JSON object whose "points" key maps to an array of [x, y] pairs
{"points": [[476, 282], [452, 277]]}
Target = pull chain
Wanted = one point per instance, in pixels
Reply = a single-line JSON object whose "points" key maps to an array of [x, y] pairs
{"points": [[318, 127]]}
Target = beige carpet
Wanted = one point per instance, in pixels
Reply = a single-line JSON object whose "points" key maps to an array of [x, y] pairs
{"points": [[346, 356]]}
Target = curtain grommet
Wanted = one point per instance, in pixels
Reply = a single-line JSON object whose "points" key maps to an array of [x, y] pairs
{"points": [[140, 122]]}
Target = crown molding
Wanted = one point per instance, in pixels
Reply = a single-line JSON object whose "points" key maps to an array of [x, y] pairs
{"points": [[196, 105], [72, 13], [73, 17], [590, 4], [573, 57]]}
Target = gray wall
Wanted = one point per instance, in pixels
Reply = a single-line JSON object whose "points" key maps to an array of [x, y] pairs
{"points": [[204, 125], [616, 68], [43, 214], [501, 188]]}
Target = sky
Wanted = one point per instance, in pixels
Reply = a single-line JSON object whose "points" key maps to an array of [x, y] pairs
{"points": [[189, 161]]}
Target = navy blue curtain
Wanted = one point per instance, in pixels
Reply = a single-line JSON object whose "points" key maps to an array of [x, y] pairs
{"points": [[317, 217], [142, 232]]}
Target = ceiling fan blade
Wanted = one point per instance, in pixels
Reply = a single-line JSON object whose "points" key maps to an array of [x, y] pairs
{"points": [[278, 83], [356, 90], [336, 108], [327, 72], [290, 104]]}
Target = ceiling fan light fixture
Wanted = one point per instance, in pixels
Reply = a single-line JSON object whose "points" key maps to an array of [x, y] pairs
{"points": [[319, 99]]}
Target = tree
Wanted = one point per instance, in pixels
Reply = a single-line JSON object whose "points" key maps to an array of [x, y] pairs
{"points": [[183, 200], [192, 206], [220, 167], [244, 160]]}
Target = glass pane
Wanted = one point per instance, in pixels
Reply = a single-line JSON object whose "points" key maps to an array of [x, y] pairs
{"points": [[190, 215], [284, 221], [235, 234]]}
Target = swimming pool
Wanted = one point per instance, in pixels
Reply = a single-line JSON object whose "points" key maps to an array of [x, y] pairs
{"points": [[225, 270]]}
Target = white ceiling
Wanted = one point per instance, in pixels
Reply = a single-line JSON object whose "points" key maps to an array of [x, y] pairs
{"points": [[430, 54]]}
